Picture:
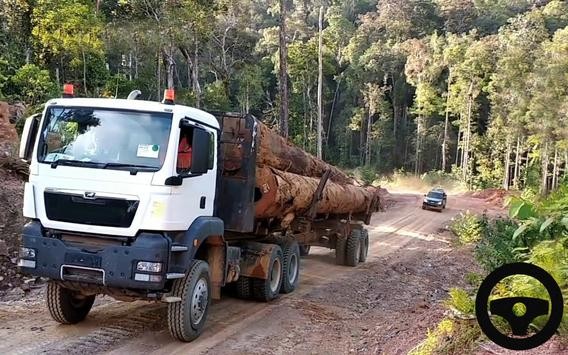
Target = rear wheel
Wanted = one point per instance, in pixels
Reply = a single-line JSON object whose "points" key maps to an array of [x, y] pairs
{"points": [[186, 318], [269, 289], [243, 287], [364, 246], [291, 270], [353, 248], [340, 245], [67, 306]]}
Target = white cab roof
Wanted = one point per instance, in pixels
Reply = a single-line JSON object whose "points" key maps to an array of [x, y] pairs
{"points": [[139, 105]]}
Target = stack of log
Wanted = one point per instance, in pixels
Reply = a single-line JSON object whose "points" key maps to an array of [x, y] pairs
{"points": [[287, 178]]}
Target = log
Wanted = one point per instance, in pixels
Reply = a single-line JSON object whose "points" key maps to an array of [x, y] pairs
{"points": [[276, 152], [285, 195]]}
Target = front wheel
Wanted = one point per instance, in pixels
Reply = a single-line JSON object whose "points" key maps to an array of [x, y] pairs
{"points": [[67, 306], [186, 318]]}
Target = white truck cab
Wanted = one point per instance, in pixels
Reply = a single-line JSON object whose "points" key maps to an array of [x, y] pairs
{"points": [[157, 201], [120, 196]]}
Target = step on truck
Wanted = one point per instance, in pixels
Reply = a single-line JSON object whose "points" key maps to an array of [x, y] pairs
{"points": [[158, 201]]}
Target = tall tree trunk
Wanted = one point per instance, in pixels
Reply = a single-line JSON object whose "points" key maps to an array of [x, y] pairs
{"points": [[507, 165], [565, 163], [446, 123], [188, 65], [517, 163], [466, 149], [283, 72], [544, 172], [170, 67], [332, 110], [555, 169], [320, 84], [159, 74], [368, 140], [195, 74], [458, 141], [417, 155], [84, 72]]}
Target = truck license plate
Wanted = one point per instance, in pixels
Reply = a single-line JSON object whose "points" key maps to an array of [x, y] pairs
{"points": [[83, 259]]}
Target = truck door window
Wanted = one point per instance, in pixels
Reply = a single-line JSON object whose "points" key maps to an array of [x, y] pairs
{"points": [[185, 150]]}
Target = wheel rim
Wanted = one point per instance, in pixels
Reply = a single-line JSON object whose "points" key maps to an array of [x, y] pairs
{"points": [[293, 268], [275, 275], [358, 250], [199, 300]]}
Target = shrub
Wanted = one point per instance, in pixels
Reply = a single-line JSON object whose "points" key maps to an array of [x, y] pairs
{"points": [[460, 302], [552, 256], [368, 175], [468, 227], [32, 84], [497, 246], [450, 337]]}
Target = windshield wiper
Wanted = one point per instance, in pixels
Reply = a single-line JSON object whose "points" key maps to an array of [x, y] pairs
{"points": [[134, 168], [70, 162]]}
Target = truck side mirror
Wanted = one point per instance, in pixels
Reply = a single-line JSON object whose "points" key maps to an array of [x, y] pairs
{"points": [[201, 151], [29, 134]]}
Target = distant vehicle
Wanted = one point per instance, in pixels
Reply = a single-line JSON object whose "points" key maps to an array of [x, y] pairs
{"points": [[435, 200], [439, 189]]}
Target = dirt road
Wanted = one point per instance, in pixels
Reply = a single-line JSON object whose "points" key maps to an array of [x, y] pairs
{"points": [[382, 306]]}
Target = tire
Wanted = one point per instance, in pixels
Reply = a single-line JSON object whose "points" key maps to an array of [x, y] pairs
{"points": [[291, 267], [340, 250], [353, 248], [243, 288], [187, 317], [304, 250], [67, 306], [269, 289], [364, 246]]}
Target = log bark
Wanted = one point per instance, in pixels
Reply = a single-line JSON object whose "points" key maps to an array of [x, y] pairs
{"points": [[276, 152], [287, 194]]}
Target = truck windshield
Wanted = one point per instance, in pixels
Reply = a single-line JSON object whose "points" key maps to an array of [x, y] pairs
{"points": [[104, 138]]}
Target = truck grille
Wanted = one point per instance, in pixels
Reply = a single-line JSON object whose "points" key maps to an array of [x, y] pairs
{"points": [[104, 211]]}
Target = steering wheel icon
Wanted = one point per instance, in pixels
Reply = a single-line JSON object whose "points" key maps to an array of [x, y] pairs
{"points": [[504, 307]]}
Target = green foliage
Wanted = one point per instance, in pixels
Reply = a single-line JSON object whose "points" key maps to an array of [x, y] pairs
{"points": [[215, 96], [368, 175], [468, 227], [450, 336], [393, 71], [32, 84], [460, 302], [497, 246], [552, 256]]}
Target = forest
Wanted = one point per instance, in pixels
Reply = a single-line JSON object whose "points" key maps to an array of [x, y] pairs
{"points": [[472, 89]]}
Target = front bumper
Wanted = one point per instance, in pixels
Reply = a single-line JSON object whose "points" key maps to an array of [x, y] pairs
{"points": [[431, 206], [110, 266]]}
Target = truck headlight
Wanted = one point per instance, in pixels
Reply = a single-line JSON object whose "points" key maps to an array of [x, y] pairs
{"points": [[27, 253], [148, 266]]}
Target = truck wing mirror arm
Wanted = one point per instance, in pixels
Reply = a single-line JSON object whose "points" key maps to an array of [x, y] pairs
{"points": [[177, 180]]}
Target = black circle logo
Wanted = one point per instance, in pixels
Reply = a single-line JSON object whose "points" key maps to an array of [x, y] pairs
{"points": [[532, 307]]}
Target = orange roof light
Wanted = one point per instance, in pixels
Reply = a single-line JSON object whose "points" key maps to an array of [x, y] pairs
{"points": [[67, 90], [169, 96]]}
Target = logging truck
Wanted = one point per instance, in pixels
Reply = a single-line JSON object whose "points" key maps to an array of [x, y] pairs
{"points": [[162, 202]]}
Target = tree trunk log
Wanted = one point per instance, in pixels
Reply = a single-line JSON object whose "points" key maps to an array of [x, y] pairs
{"points": [[276, 152], [286, 194]]}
